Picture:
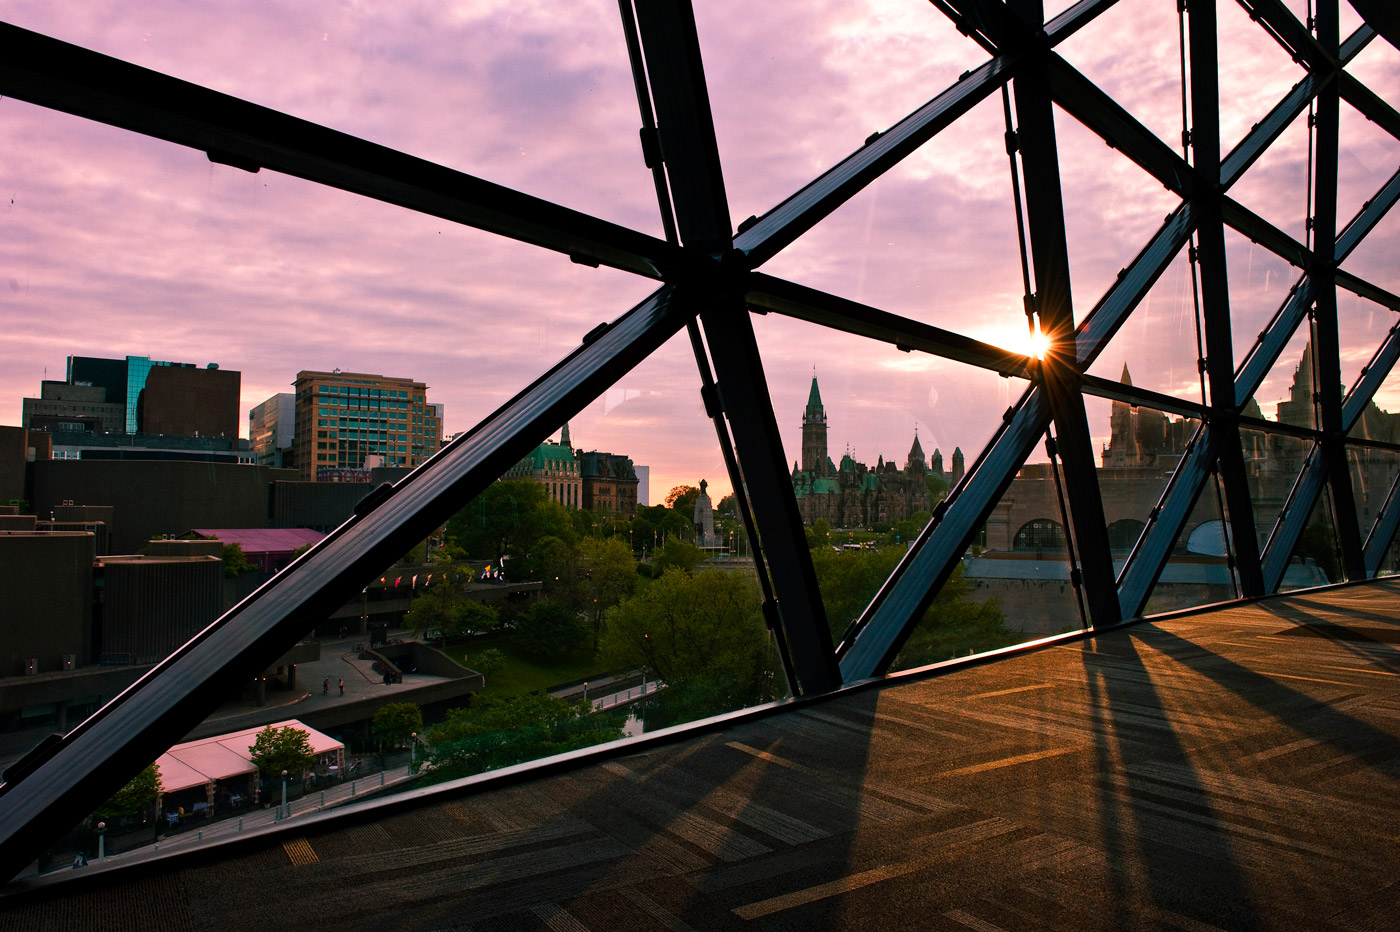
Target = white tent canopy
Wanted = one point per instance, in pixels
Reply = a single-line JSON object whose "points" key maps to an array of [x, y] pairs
{"points": [[222, 757]]}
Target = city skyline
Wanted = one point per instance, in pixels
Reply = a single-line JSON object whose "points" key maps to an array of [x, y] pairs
{"points": [[182, 258]]}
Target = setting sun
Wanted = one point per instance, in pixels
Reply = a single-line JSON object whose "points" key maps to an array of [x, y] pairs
{"points": [[1020, 340]]}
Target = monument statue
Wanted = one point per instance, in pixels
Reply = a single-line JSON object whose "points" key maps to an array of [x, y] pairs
{"points": [[705, 537]]}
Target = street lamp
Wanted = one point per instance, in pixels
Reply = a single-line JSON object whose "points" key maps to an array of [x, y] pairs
{"points": [[412, 747], [101, 840], [282, 813]]}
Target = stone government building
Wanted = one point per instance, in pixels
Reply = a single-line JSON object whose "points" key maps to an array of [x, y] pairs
{"points": [[591, 479], [1144, 449], [854, 494], [1021, 555]]}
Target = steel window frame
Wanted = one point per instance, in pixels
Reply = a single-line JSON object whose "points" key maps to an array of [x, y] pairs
{"points": [[710, 280]]}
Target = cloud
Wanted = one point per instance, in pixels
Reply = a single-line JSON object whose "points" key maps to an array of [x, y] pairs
{"points": [[115, 245]]}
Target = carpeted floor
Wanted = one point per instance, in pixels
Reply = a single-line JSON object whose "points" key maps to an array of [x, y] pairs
{"points": [[1236, 769]]}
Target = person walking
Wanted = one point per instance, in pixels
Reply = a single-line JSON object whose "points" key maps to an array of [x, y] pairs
{"points": [[326, 687], [342, 687]]}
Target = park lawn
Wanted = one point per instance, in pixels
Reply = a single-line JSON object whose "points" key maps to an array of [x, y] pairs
{"points": [[522, 674]]}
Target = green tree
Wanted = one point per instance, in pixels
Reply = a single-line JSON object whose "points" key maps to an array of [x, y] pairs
{"points": [[682, 499], [277, 749], [551, 519], [819, 534], [606, 574], [955, 625], [679, 554], [476, 617], [703, 634], [551, 561], [937, 487], [1319, 543], [495, 733], [904, 531], [503, 520], [488, 663], [443, 604], [392, 724], [674, 524], [551, 629], [236, 562], [728, 506], [643, 534], [849, 580], [652, 513], [137, 797]]}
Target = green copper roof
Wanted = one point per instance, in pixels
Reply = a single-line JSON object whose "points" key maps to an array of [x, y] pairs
{"points": [[547, 454]]}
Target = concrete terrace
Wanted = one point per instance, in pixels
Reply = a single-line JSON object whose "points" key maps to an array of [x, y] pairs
{"points": [[1231, 769]]}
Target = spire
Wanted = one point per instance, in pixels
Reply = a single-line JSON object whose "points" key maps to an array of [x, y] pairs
{"points": [[916, 462], [564, 437], [814, 458], [1126, 379]]}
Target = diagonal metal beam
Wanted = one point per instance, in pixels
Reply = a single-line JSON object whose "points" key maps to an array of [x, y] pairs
{"points": [[1356, 42], [1076, 17], [887, 622], [1268, 129], [1367, 290], [1114, 390], [1372, 378], [101, 754], [1258, 230], [1134, 282], [1378, 542], [987, 24], [1165, 523], [677, 80], [1365, 221], [1297, 510], [685, 124], [803, 303], [64, 77], [764, 237], [1083, 100], [1280, 23], [1372, 107], [1273, 339]]}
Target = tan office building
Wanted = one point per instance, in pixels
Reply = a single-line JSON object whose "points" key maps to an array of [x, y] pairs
{"points": [[349, 422]]}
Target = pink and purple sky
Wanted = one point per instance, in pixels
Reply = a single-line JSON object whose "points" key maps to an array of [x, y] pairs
{"points": [[113, 245]]}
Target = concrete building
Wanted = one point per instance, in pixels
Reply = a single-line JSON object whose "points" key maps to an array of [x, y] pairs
{"points": [[191, 402], [269, 549], [65, 407], [349, 422], [156, 498], [272, 430], [18, 448], [148, 606]]}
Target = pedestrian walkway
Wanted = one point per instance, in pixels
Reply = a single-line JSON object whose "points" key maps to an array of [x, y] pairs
{"points": [[315, 801], [625, 696]]}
